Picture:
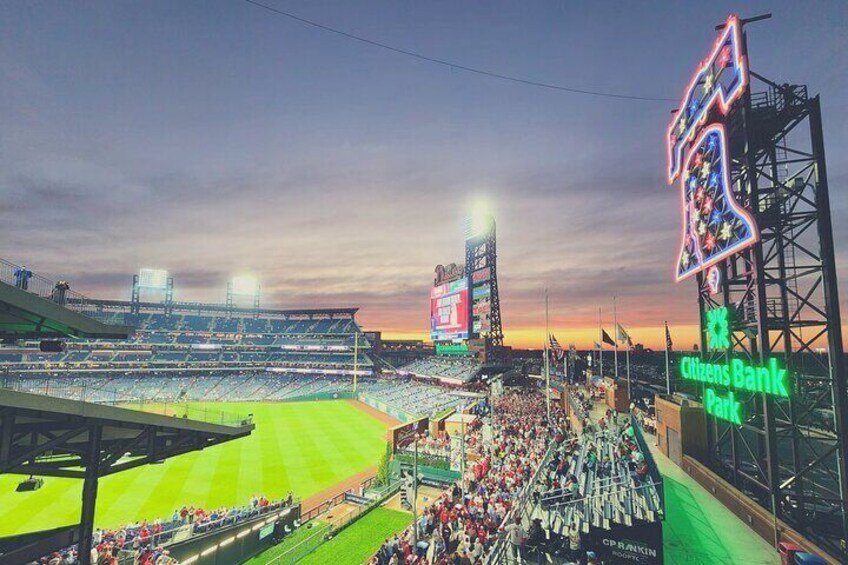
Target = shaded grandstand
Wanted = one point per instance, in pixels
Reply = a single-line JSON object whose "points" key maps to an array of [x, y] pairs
{"points": [[203, 337], [449, 370]]}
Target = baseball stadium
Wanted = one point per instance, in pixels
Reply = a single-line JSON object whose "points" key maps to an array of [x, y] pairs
{"points": [[152, 426]]}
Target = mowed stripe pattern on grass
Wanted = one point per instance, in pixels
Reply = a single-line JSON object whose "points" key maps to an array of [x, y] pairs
{"points": [[305, 447]]}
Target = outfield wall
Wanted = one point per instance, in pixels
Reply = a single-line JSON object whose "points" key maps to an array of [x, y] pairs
{"points": [[322, 396], [237, 543]]}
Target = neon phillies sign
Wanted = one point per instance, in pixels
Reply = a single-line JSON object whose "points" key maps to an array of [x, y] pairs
{"points": [[736, 376], [715, 226], [718, 82]]}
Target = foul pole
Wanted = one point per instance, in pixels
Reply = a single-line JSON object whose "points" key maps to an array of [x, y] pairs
{"points": [[355, 358]]}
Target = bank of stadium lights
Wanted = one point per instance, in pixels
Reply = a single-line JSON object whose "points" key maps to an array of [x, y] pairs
{"points": [[153, 279], [149, 280], [244, 285], [479, 219]]}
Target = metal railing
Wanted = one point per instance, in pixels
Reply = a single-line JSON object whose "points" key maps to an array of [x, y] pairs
{"points": [[424, 459], [57, 291], [653, 470], [60, 388], [302, 548], [499, 551]]}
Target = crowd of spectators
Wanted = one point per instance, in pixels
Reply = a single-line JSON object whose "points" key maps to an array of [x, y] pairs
{"points": [[428, 444], [580, 404], [646, 421], [462, 526], [143, 542]]}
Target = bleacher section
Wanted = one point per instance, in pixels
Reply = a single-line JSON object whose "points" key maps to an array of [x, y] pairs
{"points": [[454, 370], [598, 482], [319, 342]]}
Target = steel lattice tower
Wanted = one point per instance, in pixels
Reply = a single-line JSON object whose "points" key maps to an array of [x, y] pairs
{"points": [[481, 252], [789, 454]]}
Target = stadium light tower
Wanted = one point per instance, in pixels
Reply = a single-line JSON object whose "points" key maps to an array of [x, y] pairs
{"points": [[156, 280], [481, 270], [355, 358], [243, 285]]}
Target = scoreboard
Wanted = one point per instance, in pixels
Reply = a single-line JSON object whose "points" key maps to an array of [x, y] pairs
{"points": [[449, 309]]}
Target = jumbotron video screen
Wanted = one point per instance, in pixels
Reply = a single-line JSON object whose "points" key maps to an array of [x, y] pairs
{"points": [[449, 311]]}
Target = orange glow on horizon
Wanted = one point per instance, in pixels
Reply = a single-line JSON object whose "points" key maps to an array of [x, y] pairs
{"points": [[652, 337]]}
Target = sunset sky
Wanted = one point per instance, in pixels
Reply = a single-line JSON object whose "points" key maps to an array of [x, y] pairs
{"points": [[213, 138]]}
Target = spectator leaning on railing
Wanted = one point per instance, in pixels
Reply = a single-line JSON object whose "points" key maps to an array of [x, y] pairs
{"points": [[144, 540]]}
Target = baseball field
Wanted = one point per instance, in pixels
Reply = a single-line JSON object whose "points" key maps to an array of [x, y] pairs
{"points": [[305, 447]]}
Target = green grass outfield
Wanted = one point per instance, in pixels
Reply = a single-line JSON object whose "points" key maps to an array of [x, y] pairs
{"points": [[360, 540], [305, 447]]}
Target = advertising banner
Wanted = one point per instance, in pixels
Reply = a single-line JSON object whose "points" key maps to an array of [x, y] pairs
{"points": [[403, 435], [482, 275], [483, 291], [641, 545], [452, 348], [482, 307]]}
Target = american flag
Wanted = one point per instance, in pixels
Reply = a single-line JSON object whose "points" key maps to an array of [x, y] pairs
{"points": [[556, 348], [623, 336], [667, 337]]}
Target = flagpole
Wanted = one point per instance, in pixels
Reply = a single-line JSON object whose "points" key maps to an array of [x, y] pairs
{"points": [[600, 345], [547, 362], [667, 373], [615, 329], [627, 358]]}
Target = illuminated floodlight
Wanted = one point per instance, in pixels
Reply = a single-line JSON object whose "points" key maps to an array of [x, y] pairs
{"points": [[479, 219], [156, 279], [244, 286]]}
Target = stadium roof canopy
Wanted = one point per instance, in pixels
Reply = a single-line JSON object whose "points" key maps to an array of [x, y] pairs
{"points": [[48, 436], [24, 315]]}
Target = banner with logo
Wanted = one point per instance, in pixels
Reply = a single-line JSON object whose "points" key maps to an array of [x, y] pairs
{"points": [[642, 545]]}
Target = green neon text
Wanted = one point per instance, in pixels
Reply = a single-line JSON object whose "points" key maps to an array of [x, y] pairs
{"points": [[724, 407], [738, 375]]}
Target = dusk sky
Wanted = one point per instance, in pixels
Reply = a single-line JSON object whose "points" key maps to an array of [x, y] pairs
{"points": [[214, 138]]}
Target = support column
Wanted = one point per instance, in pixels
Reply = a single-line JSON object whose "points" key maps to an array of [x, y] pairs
{"points": [[89, 493], [837, 366]]}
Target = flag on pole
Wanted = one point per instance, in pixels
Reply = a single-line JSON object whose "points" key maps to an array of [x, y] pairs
{"points": [[556, 348], [596, 345], [606, 338], [623, 336], [667, 337]]}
